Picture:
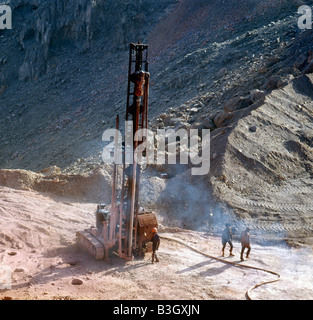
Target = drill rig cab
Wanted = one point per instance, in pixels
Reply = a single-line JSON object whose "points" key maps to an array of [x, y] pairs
{"points": [[124, 227]]}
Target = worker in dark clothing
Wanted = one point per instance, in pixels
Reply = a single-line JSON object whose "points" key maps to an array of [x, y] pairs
{"points": [[227, 237], [245, 243], [155, 244]]}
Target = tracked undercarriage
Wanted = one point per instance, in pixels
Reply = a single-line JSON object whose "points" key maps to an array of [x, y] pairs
{"points": [[90, 244]]}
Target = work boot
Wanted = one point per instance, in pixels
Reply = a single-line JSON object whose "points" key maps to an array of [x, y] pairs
{"points": [[242, 259], [231, 254]]}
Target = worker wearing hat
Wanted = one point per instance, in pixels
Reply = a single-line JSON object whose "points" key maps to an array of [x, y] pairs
{"points": [[245, 243], [227, 237], [155, 244]]}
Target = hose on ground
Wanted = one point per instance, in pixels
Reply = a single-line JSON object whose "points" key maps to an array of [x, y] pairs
{"points": [[232, 263]]}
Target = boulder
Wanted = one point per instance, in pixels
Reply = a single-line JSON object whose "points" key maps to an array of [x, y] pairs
{"points": [[222, 72], [237, 103], [223, 119], [271, 61], [274, 82], [300, 61], [53, 170], [256, 95], [208, 124], [77, 282], [308, 68]]}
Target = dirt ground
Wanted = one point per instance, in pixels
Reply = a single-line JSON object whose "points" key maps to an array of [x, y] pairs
{"points": [[38, 246], [61, 88]]}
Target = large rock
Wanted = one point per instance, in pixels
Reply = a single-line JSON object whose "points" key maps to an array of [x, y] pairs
{"points": [[237, 103], [256, 95], [208, 124], [47, 25], [53, 170], [274, 82], [308, 68], [223, 119]]}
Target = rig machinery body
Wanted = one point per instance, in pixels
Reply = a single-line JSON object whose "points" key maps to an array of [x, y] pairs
{"points": [[123, 226]]}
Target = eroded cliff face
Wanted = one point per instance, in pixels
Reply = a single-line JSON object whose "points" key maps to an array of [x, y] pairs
{"points": [[41, 27], [60, 56], [45, 28]]}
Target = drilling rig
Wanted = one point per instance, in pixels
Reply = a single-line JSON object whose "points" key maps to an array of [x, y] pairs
{"points": [[124, 227]]}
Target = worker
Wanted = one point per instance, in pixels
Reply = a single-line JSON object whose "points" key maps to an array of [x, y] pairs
{"points": [[155, 244], [245, 243], [227, 237]]}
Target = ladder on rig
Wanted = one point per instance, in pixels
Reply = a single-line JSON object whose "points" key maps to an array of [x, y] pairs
{"points": [[136, 118]]}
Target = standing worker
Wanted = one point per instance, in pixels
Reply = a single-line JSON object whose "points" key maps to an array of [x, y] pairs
{"points": [[245, 243], [155, 244], [227, 237]]}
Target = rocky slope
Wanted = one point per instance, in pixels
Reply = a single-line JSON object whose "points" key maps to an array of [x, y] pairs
{"points": [[64, 66], [242, 69], [238, 68]]}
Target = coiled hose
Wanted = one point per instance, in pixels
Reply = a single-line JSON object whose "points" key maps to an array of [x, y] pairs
{"points": [[229, 262]]}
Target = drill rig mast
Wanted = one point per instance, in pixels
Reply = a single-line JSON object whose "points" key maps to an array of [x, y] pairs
{"points": [[123, 227]]}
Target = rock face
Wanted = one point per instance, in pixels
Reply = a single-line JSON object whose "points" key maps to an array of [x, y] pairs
{"points": [[63, 68], [94, 186], [267, 158], [71, 61], [45, 27], [62, 64], [261, 168]]}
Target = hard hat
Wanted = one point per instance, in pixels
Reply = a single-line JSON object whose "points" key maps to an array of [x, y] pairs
{"points": [[154, 230]]}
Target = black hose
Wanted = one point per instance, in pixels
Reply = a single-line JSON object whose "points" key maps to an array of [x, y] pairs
{"points": [[232, 263]]}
